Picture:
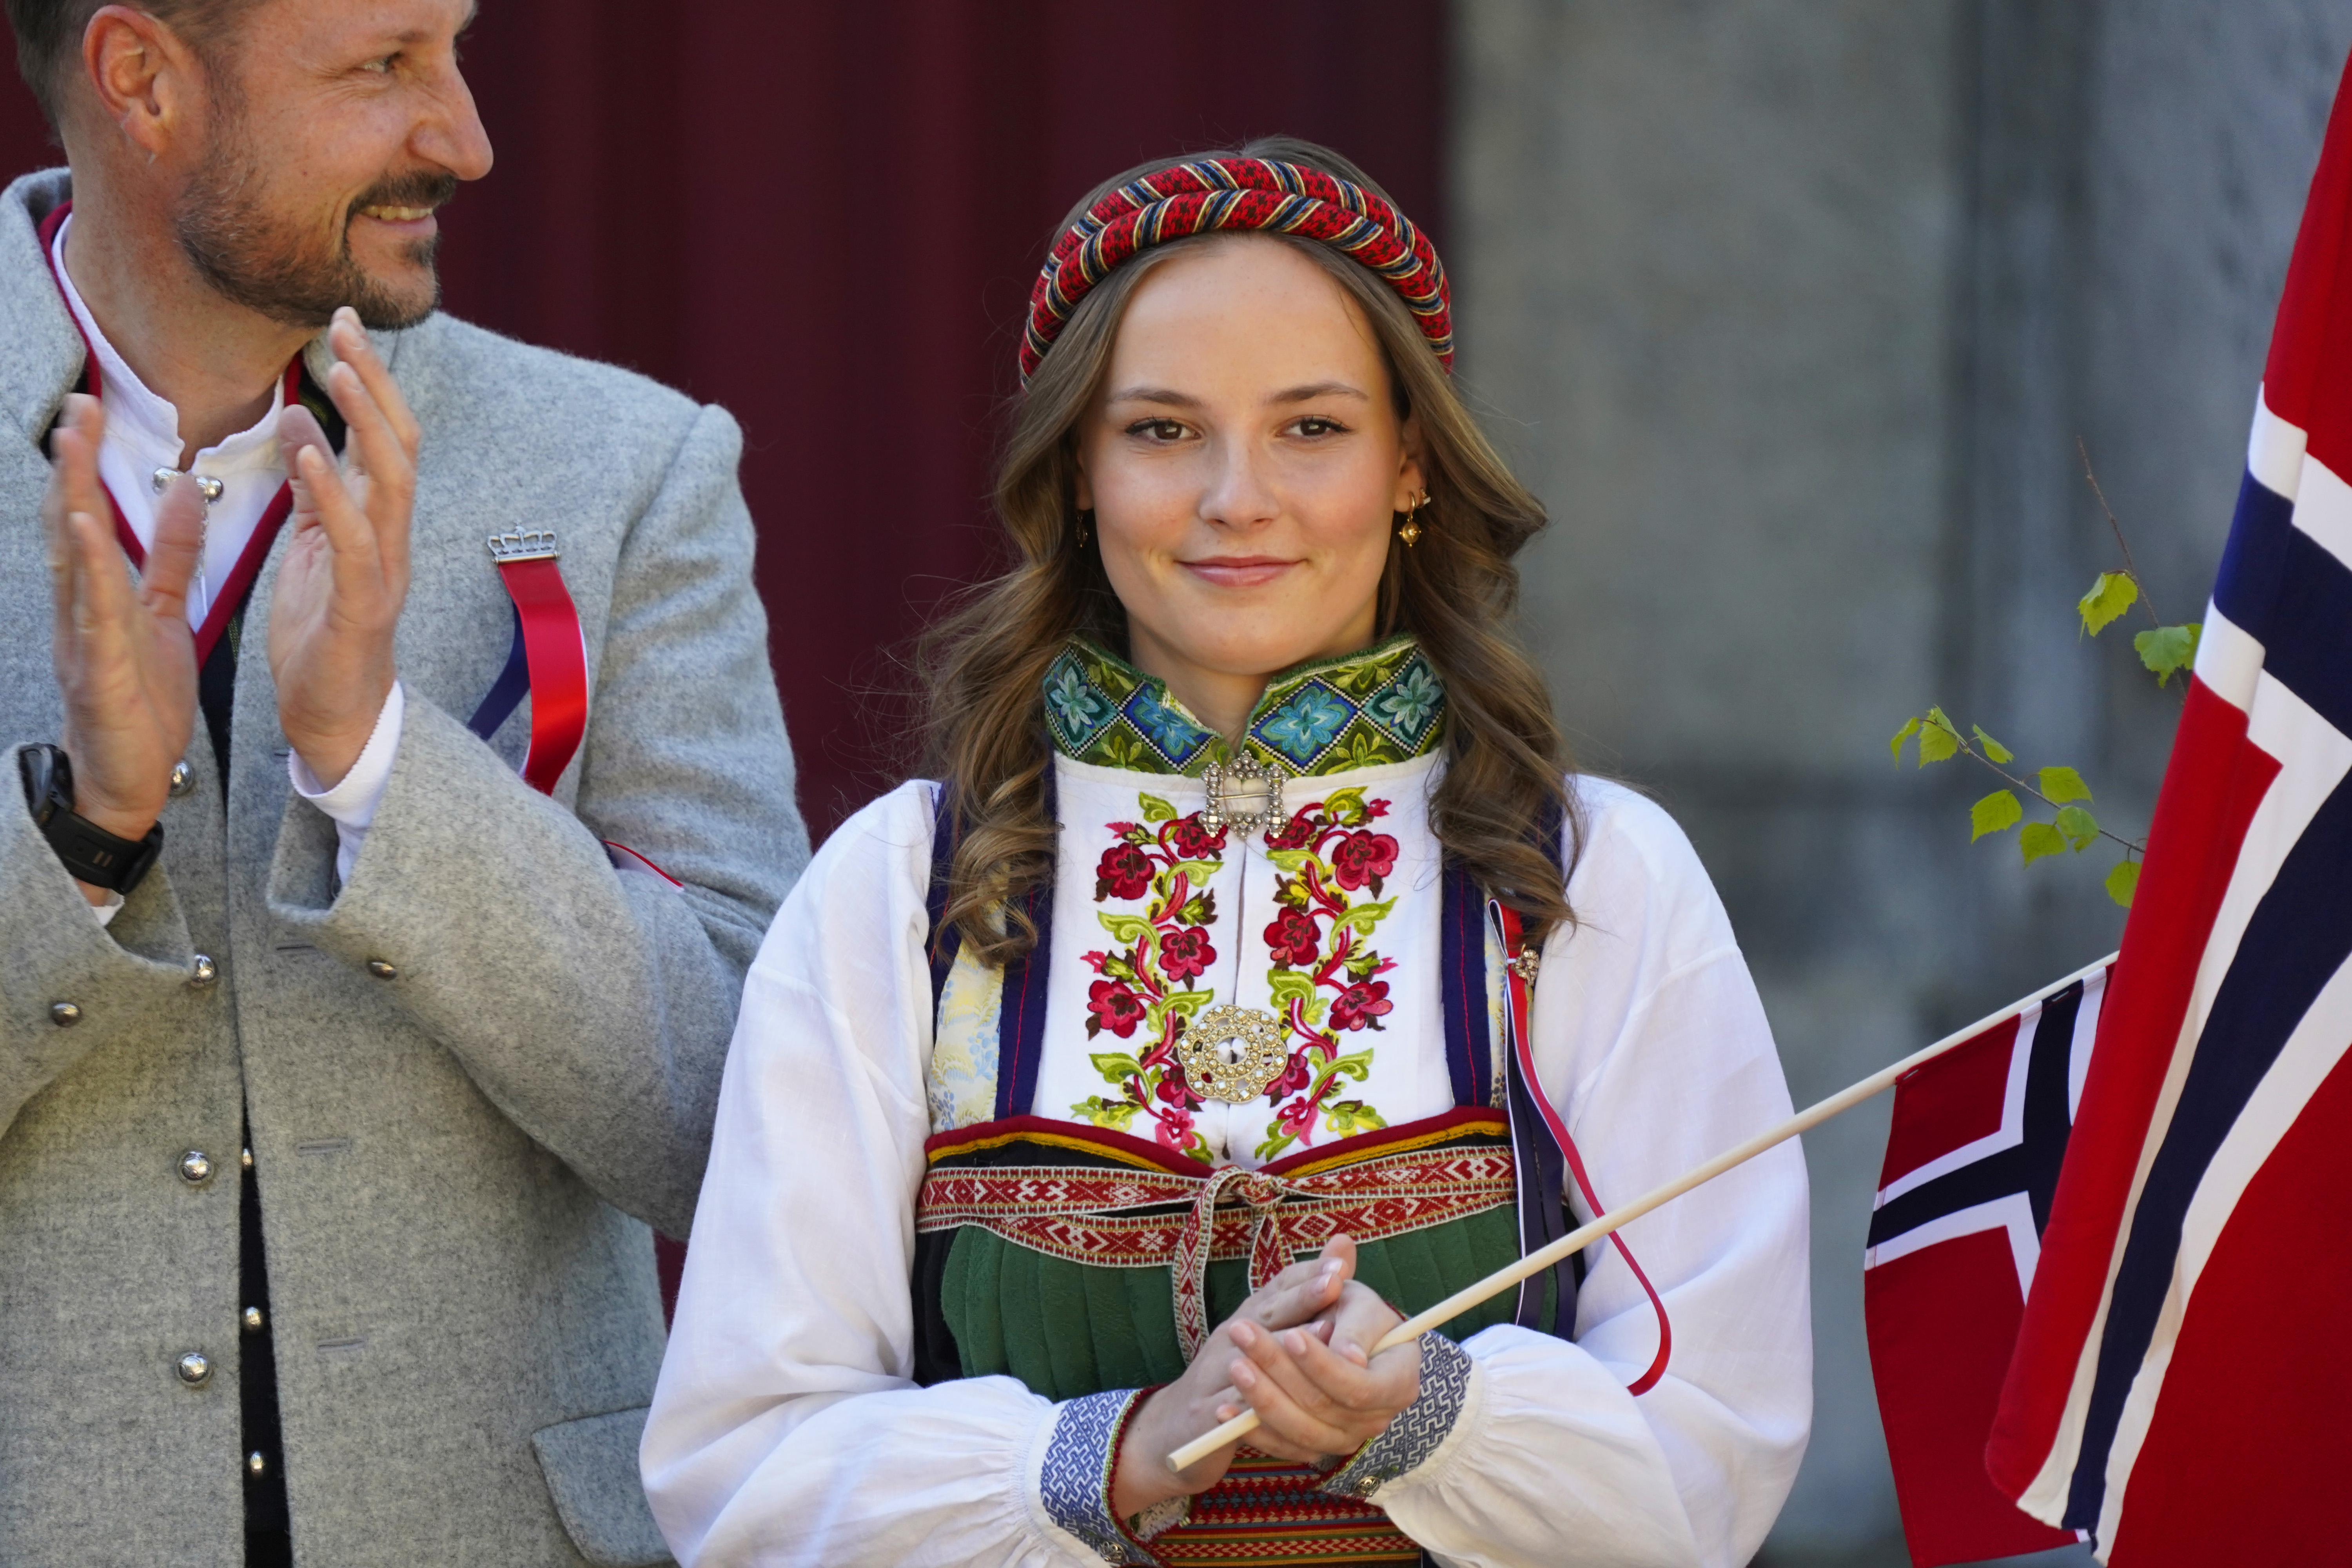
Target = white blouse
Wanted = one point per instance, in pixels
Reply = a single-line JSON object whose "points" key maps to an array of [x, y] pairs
{"points": [[786, 1426]]}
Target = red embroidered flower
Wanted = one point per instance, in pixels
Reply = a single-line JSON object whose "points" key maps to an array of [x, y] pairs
{"points": [[1185, 954], [1361, 1003], [1192, 843], [1123, 873], [1363, 857], [1295, 1076], [1297, 833], [1114, 1007], [1295, 938], [1173, 1128]]}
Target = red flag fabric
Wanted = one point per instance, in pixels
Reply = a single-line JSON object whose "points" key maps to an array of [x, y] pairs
{"points": [[2181, 1374], [1972, 1160]]}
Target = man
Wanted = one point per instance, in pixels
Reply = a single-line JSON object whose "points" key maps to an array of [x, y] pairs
{"points": [[320, 1140]]}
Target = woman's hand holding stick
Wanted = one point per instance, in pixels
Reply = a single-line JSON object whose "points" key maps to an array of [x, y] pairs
{"points": [[1576, 1240]]}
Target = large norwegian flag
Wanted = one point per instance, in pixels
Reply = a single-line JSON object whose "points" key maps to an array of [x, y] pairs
{"points": [[2182, 1385], [1972, 1158]]}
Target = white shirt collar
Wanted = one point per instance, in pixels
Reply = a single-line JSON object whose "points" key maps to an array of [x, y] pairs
{"points": [[136, 415]]}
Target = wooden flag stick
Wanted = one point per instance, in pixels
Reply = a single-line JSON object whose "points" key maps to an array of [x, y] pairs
{"points": [[1576, 1240]]}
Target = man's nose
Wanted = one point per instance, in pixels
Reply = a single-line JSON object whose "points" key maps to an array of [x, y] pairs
{"points": [[452, 135]]}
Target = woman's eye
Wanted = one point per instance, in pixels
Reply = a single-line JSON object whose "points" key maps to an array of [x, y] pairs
{"points": [[1314, 425], [1157, 430]]}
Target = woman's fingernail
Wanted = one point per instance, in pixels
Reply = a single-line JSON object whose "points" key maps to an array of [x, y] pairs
{"points": [[1245, 1376], [1243, 1334]]}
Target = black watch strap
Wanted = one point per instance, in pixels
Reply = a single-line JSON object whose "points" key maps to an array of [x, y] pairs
{"points": [[89, 851]]}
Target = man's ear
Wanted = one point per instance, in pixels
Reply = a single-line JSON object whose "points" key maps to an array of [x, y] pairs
{"points": [[146, 78]]}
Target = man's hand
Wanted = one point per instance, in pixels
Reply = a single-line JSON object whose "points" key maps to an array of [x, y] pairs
{"points": [[125, 661], [1294, 1352], [346, 571]]}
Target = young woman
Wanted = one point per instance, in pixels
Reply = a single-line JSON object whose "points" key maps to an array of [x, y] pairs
{"points": [[1149, 1061]]}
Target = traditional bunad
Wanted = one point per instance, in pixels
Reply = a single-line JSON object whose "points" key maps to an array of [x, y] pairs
{"points": [[959, 1220]]}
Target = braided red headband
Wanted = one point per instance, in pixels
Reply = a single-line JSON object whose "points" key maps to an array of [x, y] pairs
{"points": [[1185, 199]]}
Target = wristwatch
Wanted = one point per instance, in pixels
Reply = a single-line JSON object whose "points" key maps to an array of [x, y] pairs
{"points": [[92, 853]]}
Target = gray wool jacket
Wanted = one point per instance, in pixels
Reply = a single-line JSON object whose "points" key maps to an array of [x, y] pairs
{"points": [[458, 1160]]}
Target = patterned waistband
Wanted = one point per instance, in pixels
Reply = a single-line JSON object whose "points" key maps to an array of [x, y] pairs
{"points": [[1089, 1214]]}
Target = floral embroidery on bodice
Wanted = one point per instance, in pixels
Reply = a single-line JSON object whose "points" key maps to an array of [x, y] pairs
{"points": [[1329, 927]]}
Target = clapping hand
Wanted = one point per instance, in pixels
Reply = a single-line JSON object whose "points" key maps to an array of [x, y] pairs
{"points": [[1297, 1352], [346, 571], [125, 661]]}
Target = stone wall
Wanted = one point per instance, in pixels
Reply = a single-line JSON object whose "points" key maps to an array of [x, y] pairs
{"points": [[1793, 311]]}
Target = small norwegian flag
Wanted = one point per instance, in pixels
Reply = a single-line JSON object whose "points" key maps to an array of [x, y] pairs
{"points": [[1972, 1160]]}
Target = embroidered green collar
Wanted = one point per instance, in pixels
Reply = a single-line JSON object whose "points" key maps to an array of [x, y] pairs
{"points": [[1384, 704]]}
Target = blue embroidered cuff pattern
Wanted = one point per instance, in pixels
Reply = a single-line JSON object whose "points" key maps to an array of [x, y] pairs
{"points": [[1075, 1479], [1418, 1429]]}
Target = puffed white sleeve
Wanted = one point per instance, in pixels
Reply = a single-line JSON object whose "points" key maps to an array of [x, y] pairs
{"points": [[1649, 1038], [786, 1426]]}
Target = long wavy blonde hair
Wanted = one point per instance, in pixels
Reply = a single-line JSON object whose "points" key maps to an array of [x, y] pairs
{"points": [[984, 665]]}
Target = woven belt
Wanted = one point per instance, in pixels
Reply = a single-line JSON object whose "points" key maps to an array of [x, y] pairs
{"points": [[1082, 1214]]}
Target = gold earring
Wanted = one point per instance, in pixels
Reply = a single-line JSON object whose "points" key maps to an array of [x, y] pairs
{"points": [[1410, 531], [1082, 528]]}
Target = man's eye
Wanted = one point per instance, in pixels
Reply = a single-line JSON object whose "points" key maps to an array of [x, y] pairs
{"points": [[382, 67]]}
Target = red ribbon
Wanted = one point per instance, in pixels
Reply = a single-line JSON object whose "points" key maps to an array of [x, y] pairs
{"points": [[1515, 1022], [558, 659]]}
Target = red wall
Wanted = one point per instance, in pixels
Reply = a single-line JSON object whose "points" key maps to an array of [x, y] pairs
{"points": [[826, 217]]}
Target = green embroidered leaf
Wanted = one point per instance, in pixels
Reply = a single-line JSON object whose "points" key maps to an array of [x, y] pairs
{"points": [[1198, 911], [1938, 742], [1994, 813], [2080, 828], [2110, 597], [1910, 728], [2060, 785], [2168, 649], [1357, 1065], [1346, 1117], [1119, 966], [1275, 1141], [1186, 1004], [1117, 1067], [2039, 839], [1156, 809], [1361, 918], [1129, 929], [1199, 872], [1345, 806], [1289, 984], [1992, 748], [1294, 861], [2123, 881], [1362, 962], [1111, 1113]]}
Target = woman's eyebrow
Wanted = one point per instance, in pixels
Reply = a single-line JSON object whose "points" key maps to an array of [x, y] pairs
{"points": [[1320, 389], [1153, 394]]}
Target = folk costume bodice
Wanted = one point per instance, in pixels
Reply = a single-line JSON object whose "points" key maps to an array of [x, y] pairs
{"points": [[1259, 1014]]}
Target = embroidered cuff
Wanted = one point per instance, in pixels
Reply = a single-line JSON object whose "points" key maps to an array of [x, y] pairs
{"points": [[1419, 1428], [1076, 1482]]}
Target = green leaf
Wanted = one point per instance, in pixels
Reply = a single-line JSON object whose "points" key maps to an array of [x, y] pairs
{"points": [[1291, 861], [2039, 839], [1357, 1065], [1938, 742], [1992, 748], [1282, 985], [1345, 806], [2060, 785], [1111, 1113], [2110, 597], [1115, 1065], [1124, 928], [1363, 917], [1187, 1002], [1156, 809], [1198, 871], [2168, 649], [1910, 728], [2122, 881], [2080, 828], [1995, 811]]}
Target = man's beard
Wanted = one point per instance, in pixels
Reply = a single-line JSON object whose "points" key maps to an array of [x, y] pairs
{"points": [[276, 270]]}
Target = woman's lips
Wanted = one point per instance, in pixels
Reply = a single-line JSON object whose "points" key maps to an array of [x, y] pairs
{"points": [[1239, 571]]}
